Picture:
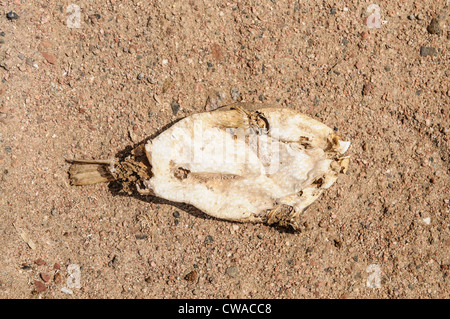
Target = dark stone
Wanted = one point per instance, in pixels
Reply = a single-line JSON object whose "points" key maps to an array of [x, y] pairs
{"points": [[11, 15], [209, 239], [235, 94], [175, 107], [426, 51], [434, 27], [140, 236]]}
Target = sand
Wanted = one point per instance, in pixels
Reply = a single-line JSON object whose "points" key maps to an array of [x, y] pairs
{"points": [[134, 67]]}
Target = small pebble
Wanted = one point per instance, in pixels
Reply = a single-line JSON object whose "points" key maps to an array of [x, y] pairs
{"points": [[40, 287], [168, 83], [364, 35], [333, 11], [157, 99], [140, 76], [140, 236], [367, 89], [11, 15], [66, 290], [216, 52], [40, 262], [113, 262], [175, 107], [215, 100], [235, 94], [426, 51], [358, 65], [191, 277], [57, 278], [411, 17], [232, 271], [209, 239], [45, 277], [176, 214], [434, 27], [95, 15], [49, 57]]}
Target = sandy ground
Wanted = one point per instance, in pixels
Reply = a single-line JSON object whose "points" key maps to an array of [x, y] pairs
{"points": [[133, 67]]}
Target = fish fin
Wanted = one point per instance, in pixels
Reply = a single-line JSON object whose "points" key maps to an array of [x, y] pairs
{"points": [[87, 172]]}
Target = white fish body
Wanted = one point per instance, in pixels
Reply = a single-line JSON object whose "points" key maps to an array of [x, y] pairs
{"points": [[246, 163]]}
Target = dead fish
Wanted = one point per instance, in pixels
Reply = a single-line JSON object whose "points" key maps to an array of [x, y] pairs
{"points": [[244, 163]]}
